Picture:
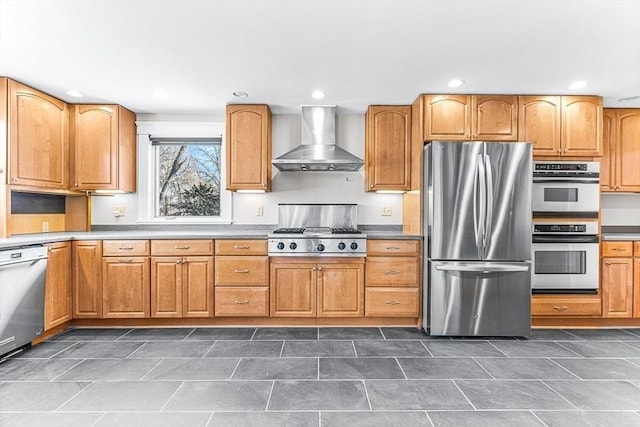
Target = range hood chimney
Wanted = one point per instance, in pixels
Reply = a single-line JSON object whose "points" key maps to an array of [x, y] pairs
{"points": [[318, 151]]}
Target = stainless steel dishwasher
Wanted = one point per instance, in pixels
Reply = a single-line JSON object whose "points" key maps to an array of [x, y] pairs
{"points": [[22, 277]]}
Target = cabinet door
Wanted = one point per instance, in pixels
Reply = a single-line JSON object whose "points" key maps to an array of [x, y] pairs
{"points": [[57, 306], [340, 290], [539, 121], [392, 302], [86, 265], [636, 284], [166, 287], [95, 147], [293, 290], [628, 151], [617, 287], [242, 271], [197, 286], [248, 147], [447, 118], [390, 271], [38, 138], [388, 150], [608, 160], [581, 126], [242, 301], [125, 287], [494, 118]]}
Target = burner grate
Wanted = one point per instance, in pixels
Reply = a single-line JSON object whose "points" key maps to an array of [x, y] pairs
{"points": [[289, 231], [344, 231]]}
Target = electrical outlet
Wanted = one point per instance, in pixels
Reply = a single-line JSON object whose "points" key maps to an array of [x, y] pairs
{"points": [[118, 211], [45, 226], [386, 211], [260, 210]]}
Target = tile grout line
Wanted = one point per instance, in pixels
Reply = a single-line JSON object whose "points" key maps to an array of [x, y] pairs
{"points": [[401, 368], [426, 412], [67, 370], [538, 418], [366, 393], [497, 348], [255, 331], [463, 393], [384, 337], [427, 348], [209, 419], [568, 349], [234, 369], [355, 351], [282, 348], [266, 408], [483, 368], [152, 368], [566, 369], [172, 396], [74, 396], [318, 366], [104, 414], [563, 398], [204, 355]]}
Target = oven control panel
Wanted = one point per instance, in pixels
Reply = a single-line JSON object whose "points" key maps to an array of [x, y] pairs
{"points": [[566, 228], [318, 246]]}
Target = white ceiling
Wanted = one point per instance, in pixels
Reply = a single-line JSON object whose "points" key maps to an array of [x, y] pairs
{"points": [[360, 52]]}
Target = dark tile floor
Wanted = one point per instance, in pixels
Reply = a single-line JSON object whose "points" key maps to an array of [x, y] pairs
{"points": [[323, 377]]}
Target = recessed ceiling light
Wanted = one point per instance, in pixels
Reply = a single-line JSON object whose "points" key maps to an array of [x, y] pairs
{"points": [[160, 93], [455, 83], [577, 85], [318, 94], [629, 98], [240, 94], [75, 93]]}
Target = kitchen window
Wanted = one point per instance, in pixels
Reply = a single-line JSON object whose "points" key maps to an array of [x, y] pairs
{"points": [[185, 171]]}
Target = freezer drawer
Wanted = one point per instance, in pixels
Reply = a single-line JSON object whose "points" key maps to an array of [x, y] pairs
{"points": [[479, 298]]}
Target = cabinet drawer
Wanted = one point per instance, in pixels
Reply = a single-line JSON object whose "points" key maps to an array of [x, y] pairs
{"points": [[125, 247], [636, 249], [393, 247], [617, 249], [241, 247], [242, 271], [566, 307], [181, 247], [238, 301], [391, 302], [392, 271]]}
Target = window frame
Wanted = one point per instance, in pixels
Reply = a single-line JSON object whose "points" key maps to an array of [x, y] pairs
{"points": [[147, 176]]}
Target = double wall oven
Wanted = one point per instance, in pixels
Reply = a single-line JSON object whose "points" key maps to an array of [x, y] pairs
{"points": [[565, 235]]}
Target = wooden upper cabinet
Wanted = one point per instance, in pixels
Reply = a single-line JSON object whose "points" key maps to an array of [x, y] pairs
{"points": [[388, 148], [471, 117], [38, 138], [494, 118], [581, 126], [104, 147], [248, 140], [539, 122], [447, 117], [619, 169]]}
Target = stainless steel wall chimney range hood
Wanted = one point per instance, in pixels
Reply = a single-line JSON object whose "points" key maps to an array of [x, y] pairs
{"points": [[318, 151]]}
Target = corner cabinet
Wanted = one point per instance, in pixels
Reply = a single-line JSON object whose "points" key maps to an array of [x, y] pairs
{"points": [[619, 169], [388, 148], [104, 146], [470, 117], [248, 139], [38, 136], [562, 126]]}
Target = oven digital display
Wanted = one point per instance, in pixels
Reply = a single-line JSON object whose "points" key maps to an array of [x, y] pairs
{"points": [[560, 194], [560, 167], [560, 228]]}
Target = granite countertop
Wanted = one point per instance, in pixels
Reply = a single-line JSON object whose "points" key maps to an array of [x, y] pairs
{"points": [[620, 232], [133, 234]]}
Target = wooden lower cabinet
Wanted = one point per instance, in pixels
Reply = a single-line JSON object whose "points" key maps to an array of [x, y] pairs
{"points": [[392, 302], [86, 265], [125, 287], [250, 301], [182, 286], [57, 305], [617, 287], [561, 305], [241, 282], [636, 282], [317, 288]]}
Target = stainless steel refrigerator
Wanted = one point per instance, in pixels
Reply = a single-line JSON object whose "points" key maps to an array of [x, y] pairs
{"points": [[477, 209]]}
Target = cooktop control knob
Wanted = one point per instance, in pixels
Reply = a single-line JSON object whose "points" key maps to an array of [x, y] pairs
{"points": [[341, 246], [320, 247], [354, 246], [280, 246], [293, 245]]}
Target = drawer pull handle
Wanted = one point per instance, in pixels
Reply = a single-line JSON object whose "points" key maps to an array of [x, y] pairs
{"points": [[393, 248], [560, 307], [241, 301], [182, 247], [241, 247], [127, 260], [392, 302], [125, 248], [617, 249], [392, 272], [240, 271]]}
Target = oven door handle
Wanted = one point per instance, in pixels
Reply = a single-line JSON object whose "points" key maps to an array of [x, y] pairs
{"points": [[564, 239]]}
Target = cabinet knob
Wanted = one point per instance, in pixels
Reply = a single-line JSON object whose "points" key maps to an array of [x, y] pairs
{"points": [[14, 179], [243, 301], [370, 185], [319, 268], [559, 151]]}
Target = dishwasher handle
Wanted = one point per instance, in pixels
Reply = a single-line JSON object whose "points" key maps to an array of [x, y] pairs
{"points": [[21, 261]]}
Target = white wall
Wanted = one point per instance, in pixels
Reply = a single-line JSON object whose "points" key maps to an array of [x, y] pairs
{"points": [[620, 209], [287, 187]]}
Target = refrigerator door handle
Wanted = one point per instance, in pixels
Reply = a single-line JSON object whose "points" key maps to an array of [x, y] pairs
{"points": [[479, 204], [483, 267], [489, 205]]}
